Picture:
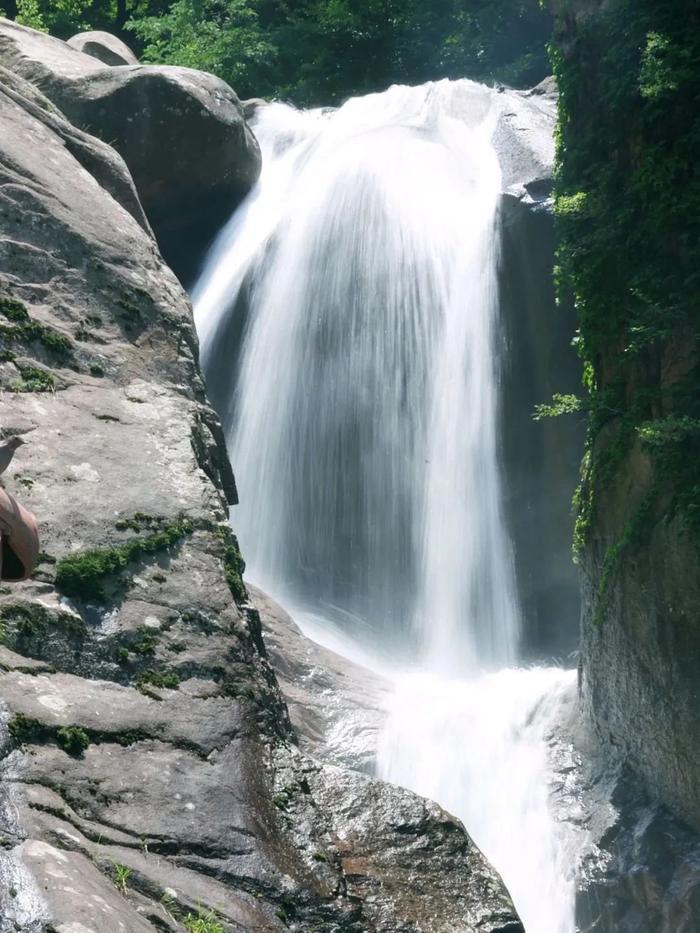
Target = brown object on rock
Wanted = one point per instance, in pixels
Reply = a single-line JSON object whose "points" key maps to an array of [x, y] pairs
{"points": [[20, 540]]}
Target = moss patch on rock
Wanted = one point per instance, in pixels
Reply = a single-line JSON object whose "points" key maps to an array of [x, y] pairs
{"points": [[82, 575]]}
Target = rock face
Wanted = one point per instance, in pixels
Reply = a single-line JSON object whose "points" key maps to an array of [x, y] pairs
{"points": [[103, 46], [181, 132], [337, 708], [643, 874], [149, 775], [639, 552], [540, 461], [630, 252]]}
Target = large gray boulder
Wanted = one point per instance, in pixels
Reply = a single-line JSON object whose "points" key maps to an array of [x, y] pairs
{"points": [[181, 132], [102, 45]]}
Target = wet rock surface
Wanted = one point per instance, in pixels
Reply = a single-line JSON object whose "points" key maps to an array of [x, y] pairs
{"points": [[641, 872], [181, 132], [540, 460], [149, 774], [337, 707]]}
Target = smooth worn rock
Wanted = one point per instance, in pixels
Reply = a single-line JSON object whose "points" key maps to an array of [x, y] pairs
{"points": [[337, 707], [410, 863], [181, 132], [103, 46], [251, 106]]}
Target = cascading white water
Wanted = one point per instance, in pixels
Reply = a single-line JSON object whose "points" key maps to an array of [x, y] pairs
{"points": [[362, 274]]}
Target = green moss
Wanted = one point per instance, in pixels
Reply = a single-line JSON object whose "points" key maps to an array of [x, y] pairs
{"points": [[82, 575], [130, 737], [146, 641], [96, 369], [169, 681], [140, 521], [25, 730], [234, 565], [22, 329], [32, 380], [32, 621], [73, 740], [13, 309]]}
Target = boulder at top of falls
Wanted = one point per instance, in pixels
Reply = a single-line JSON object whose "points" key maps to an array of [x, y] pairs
{"points": [[251, 106], [103, 46], [181, 132]]}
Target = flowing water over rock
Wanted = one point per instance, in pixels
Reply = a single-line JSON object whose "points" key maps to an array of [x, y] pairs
{"points": [[353, 303]]}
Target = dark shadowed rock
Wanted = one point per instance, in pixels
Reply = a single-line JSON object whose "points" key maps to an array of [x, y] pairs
{"points": [[103, 46], [641, 868], [181, 132], [540, 461]]}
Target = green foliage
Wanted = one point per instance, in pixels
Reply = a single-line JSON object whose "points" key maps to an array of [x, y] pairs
{"points": [[234, 565], [29, 13], [319, 51], [628, 212], [145, 643], [31, 621], [159, 679], [26, 730], [122, 875], [560, 405], [220, 36], [663, 66], [73, 740], [82, 575], [13, 309], [202, 922], [32, 379]]}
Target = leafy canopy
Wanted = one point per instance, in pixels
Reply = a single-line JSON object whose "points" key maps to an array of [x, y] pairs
{"points": [[317, 51]]}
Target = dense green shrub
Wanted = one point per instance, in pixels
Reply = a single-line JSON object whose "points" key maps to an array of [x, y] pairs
{"points": [[317, 51]]}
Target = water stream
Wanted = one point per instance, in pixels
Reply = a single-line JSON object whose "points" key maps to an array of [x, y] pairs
{"points": [[349, 321]]}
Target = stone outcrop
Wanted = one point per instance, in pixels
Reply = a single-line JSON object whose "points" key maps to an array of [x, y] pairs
{"points": [[103, 46], [629, 129], [337, 707], [149, 774], [181, 132], [540, 460], [639, 555]]}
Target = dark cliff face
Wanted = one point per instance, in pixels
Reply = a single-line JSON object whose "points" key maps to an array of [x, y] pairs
{"points": [[540, 459], [628, 206], [149, 776]]}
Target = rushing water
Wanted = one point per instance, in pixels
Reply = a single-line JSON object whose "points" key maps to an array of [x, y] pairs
{"points": [[360, 283]]}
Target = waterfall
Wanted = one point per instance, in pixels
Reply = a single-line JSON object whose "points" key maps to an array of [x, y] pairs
{"points": [[348, 317]]}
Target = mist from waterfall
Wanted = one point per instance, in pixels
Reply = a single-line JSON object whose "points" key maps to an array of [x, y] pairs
{"points": [[361, 275]]}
